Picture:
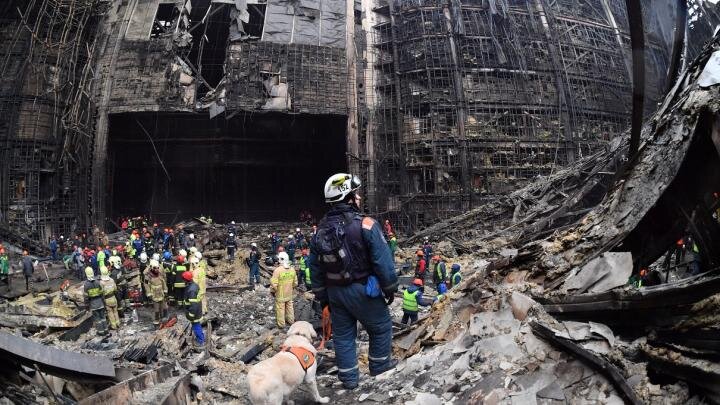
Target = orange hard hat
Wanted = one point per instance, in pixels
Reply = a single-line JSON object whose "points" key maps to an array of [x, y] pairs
{"points": [[187, 276], [420, 253], [418, 282]]}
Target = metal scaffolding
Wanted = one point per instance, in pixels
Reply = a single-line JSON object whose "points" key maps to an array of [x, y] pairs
{"points": [[46, 48]]}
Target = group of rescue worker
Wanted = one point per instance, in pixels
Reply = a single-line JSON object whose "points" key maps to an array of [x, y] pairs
{"points": [[348, 263], [144, 272]]}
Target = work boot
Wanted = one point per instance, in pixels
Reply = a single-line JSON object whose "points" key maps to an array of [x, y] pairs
{"points": [[391, 364], [350, 385]]}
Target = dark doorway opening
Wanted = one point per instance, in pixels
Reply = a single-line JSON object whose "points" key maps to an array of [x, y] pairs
{"points": [[252, 167]]}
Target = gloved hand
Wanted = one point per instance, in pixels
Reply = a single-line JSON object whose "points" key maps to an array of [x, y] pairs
{"points": [[389, 295]]}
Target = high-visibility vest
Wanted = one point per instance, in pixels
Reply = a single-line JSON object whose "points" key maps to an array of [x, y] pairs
{"points": [[410, 300], [94, 292], [305, 269], [438, 271], [456, 279], [179, 281]]}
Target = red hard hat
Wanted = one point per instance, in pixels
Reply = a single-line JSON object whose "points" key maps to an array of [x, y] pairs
{"points": [[180, 259], [418, 282], [187, 276]]}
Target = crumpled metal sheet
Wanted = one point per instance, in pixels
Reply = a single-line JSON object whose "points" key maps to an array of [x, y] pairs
{"points": [[710, 75]]}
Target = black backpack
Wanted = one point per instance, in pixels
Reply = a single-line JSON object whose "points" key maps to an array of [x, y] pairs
{"points": [[333, 251]]}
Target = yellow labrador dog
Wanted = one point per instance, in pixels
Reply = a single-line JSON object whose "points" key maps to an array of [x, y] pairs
{"points": [[272, 380]]}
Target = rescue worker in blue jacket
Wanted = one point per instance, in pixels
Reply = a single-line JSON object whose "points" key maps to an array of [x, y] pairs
{"points": [[439, 269], [231, 245], [290, 248], [455, 275], [339, 270], [138, 245], [412, 301], [53, 248], [193, 308], [254, 264]]}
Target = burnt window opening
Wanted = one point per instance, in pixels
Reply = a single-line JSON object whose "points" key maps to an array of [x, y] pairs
{"points": [[165, 20], [210, 40], [254, 27]]}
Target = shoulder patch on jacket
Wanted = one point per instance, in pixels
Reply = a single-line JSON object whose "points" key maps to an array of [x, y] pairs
{"points": [[367, 223]]}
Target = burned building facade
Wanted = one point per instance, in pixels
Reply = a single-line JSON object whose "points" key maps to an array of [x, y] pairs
{"points": [[474, 98], [241, 109]]}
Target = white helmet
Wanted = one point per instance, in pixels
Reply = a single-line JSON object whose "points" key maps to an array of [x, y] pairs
{"points": [[143, 257], [297, 229], [182, 253], [191, 236], [232, 222], [193, 249], [339, 186], [231, 235], [253, 244], [198, 255], [284, 259], [154, 263], [290, 236], [156, 257]]}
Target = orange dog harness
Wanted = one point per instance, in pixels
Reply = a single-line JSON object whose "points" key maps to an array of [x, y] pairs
{"points": [[304, 356]]}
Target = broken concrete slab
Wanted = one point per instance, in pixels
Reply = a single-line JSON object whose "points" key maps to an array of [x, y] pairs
{"points": [[610, 270], [69, 365], [122, 393]]}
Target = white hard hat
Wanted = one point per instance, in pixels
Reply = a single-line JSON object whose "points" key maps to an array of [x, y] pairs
{"points": [[198, 255], [154, 263], [231, 235], [156, 256], [253, 244], [193, 249], [143, 257], [339, 185], [232, 222], [182, 252], [290, 236], [191, 236], [297, 229], [284, 259]]}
